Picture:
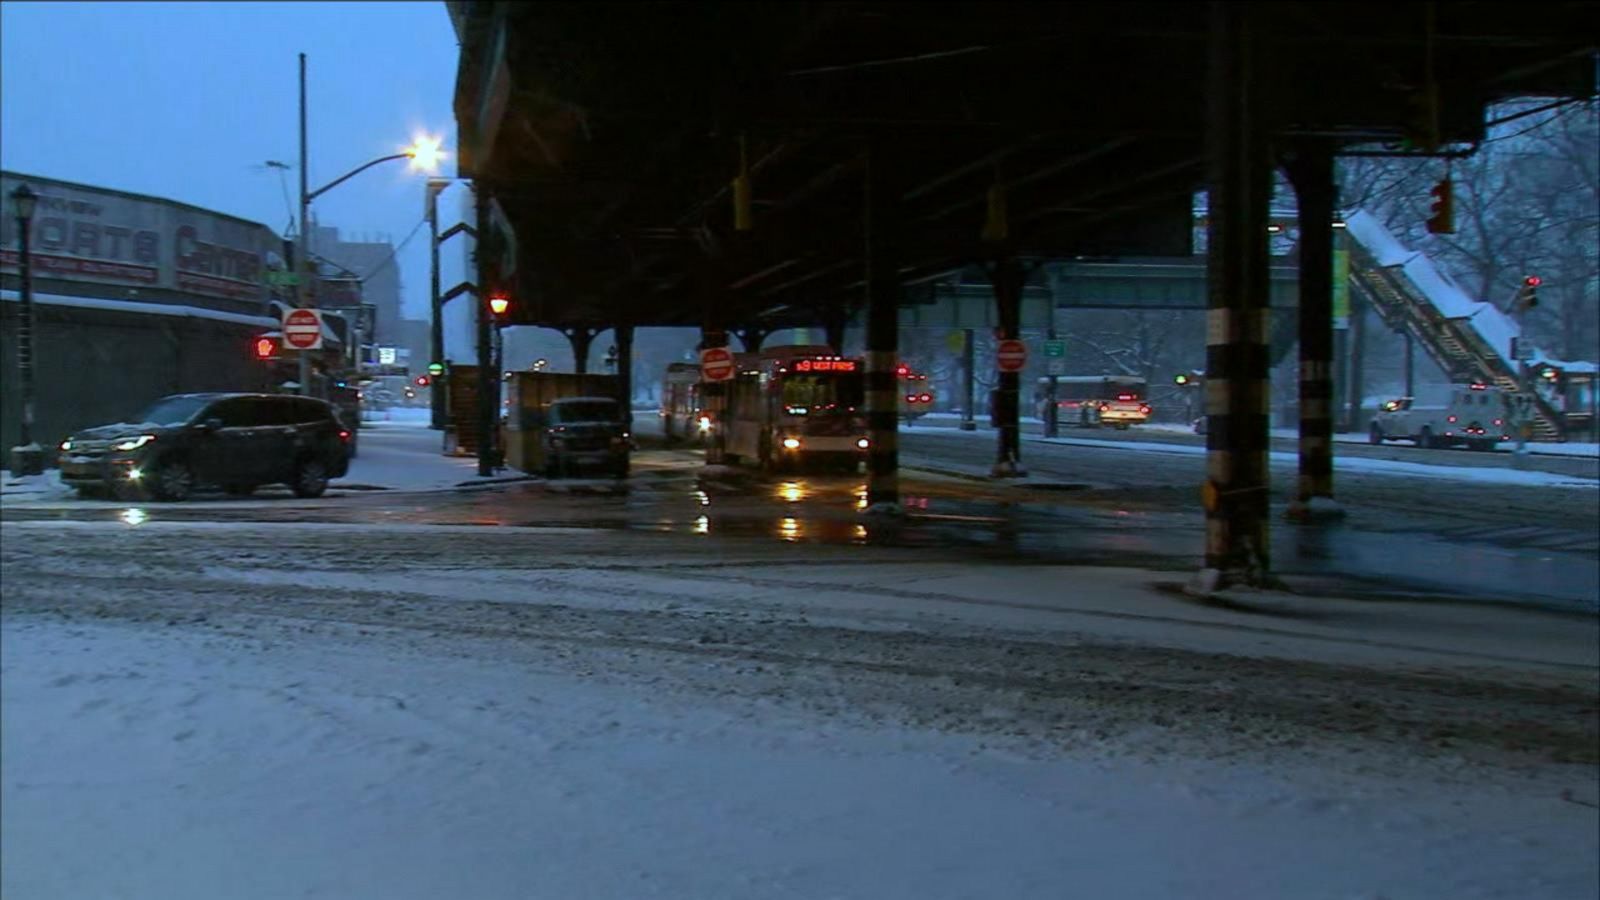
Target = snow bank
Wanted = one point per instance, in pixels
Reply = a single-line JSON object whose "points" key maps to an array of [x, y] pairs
{"points": [[1365, 228]]}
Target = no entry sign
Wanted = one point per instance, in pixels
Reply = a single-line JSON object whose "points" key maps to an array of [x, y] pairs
{"points": [[716, 364], [302, 329], [1011, 355]]}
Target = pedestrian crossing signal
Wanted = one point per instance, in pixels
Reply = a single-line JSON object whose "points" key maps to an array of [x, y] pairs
{"points": [[266, 348]]}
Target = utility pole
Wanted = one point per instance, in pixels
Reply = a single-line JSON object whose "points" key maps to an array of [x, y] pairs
{"points": [[436, 395], [302, 252]]}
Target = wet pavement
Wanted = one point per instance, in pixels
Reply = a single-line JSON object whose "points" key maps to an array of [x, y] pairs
{"points": [[671, 491]]}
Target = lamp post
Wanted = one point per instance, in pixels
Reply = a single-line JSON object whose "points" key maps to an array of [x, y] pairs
{"points": [[424, 154], [499, 305], [26, 458], [436, 398]]}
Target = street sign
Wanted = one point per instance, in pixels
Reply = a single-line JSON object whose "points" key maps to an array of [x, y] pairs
{"points": [[1055, 367], [302, 329], [716, 364], [387, 356], [1054, 349], [1011, 355]]}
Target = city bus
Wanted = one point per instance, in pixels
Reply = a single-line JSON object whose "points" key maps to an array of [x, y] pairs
{"points": [[797, 408], [682, 418], [1091, 401]]}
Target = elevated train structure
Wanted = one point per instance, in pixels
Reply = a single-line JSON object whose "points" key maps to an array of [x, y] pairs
{"points": [[749, 167]]}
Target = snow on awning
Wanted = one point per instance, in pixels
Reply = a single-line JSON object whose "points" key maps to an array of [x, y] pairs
{"points": [[132, 306]]}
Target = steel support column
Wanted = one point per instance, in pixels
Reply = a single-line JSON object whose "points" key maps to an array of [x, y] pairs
{"points": [[1311, 171], [624, 341], [833, 324], [485, 255], [881, 196], [751, 338], [1236, 489], [1358, 335], [580, 339], [1008, 276], [969, 419]]}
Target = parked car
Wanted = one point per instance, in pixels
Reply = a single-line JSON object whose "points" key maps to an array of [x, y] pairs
{"points": [[236, 442], [583, 434]]}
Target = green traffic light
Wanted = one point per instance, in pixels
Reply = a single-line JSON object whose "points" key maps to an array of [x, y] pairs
{"points": [[1181, 379], [435, 368]]}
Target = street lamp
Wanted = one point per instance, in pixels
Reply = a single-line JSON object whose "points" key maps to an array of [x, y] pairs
{"points": [[26, 458], [425, 153]]}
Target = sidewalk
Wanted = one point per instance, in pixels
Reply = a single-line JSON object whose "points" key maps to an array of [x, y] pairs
{"points": [[399, 452]]}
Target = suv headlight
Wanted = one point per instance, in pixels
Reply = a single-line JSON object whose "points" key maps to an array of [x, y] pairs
{"points": [[134, 443], [66, 445]]}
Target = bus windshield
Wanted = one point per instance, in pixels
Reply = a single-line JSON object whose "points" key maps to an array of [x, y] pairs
{"points": [[818, 393]]}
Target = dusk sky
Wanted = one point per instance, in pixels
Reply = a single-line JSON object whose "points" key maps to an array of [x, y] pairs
{"points": [[186, 101]]}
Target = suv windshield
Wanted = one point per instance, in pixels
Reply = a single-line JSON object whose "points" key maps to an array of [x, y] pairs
{"points": [[585, 411], [172, 410]]}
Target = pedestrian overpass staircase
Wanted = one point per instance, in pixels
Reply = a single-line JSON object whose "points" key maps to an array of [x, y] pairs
{"points": [[1470, 340]]}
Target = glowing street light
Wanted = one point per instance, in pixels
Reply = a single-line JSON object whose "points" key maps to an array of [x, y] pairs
{"points": [[499, 305], [425, 153]]}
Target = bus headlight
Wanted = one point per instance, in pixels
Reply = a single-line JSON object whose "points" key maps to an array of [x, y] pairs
{"points": [[791, 443], [705, 424], [863, 443]]}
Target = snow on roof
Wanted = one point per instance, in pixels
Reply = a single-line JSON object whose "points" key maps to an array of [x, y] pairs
{"points": [[130, 306], [1367, 231], [1495, 327]]}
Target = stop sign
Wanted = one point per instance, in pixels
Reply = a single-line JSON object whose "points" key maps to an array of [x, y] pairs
{"points": [[716, 364], [1011, 355], [302, 329]]}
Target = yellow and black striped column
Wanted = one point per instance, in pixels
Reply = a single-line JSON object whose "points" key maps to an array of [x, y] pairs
{"points": [[1236, 487], [1310, 169], [883, 332]]}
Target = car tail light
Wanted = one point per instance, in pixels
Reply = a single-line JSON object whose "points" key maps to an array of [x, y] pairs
{"points": [[1451, 419], [911, 398], [925, 398], [1498, 422], [344, 435], [1145, 410]]}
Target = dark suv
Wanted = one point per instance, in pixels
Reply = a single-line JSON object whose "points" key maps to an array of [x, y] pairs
{"points": [[234, 441]]}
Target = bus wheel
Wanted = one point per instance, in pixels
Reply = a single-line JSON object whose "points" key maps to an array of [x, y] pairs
{"points": [[1425, 438]]}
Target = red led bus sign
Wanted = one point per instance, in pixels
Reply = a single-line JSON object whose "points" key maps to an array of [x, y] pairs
{"points": [[826, 365]]}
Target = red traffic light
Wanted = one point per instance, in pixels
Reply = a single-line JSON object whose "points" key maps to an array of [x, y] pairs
{"points": [[422, 381], [1533, 281], [266, 348], [1443, 220]]}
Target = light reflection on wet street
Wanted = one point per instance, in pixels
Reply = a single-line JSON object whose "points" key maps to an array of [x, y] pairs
{"points": [[952, 517]]}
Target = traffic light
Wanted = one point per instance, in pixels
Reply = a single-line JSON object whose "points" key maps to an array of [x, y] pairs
{"points": [[265, 348], [422, 381], [435, 369], [1180, 379], [1528, 295], [1551, 374], [1443, 220]]}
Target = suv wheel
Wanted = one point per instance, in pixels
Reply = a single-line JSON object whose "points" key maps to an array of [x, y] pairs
{"points": [[310, 478], [172, 481], [1375, 434], [1425, 439]]}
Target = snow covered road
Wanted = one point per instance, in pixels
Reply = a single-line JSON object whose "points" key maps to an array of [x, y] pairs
{"points": [[339, 711]]}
